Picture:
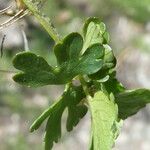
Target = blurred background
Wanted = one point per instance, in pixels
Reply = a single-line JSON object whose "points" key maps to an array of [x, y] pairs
{"points": [[128, 22]]}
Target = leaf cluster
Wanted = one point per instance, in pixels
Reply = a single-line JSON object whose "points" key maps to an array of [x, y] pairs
{"points": [[88, 58]]}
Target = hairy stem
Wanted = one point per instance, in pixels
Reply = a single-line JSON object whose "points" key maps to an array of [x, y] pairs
{"points": [[44, 21]]}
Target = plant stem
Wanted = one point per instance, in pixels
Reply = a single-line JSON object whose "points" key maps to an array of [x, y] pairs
{"points": [[85, 87], [89, 98], [44, 21]]}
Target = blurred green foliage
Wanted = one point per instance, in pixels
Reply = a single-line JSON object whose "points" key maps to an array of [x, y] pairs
{"points": [[135, 9]]}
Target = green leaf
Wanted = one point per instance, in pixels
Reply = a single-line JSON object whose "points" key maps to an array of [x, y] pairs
{"points": [[109, 58], [37, 72], [71, 99], [108, 65], [95, 24], [72, 62], [106, 38], [76, 108], [53, 128], [60, 104], [69, 49], [104, 119], [130, 102], [114, 86], [75, 113], [93, 31]]}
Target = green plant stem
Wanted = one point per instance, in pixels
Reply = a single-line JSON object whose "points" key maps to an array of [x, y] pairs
{"points": [[86, 90], [44, 21], [85, 87]]}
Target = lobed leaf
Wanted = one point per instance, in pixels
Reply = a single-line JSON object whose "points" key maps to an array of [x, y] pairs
{"points": [[53, 128], [37, 72], [94, 32], [70, 99], [71, 61], [69, 49], [104, 119], [130, 102], [108, 65]]}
